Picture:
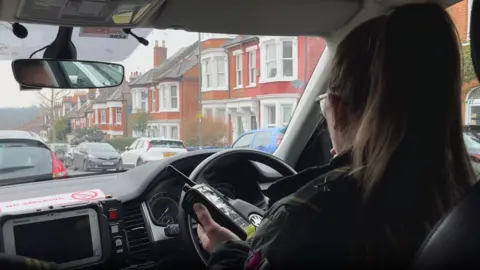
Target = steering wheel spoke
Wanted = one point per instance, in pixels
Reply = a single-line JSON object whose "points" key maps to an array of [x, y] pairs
{"points": [[188, 225]]}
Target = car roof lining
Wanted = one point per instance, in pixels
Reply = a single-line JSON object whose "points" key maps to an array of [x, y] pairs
{"points": [[279, 17]]}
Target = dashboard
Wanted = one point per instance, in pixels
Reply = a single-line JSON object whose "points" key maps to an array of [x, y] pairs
{"points": [[147, 201]]}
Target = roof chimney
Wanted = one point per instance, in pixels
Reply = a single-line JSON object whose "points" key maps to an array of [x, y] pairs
{"points": [[133, 75], [159, 54]]}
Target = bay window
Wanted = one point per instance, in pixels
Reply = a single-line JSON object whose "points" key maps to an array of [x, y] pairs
{"points": [[278, 59], [169, 97], [214, 70], [221, 70]]}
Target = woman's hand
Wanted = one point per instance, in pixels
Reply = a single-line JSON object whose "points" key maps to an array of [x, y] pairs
{"points": [[211, 234]]}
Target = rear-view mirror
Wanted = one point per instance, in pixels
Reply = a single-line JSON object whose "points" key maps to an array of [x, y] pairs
{"points": [[72, 74]]}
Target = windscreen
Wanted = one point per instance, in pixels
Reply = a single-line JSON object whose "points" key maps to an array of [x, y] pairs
{"points": [[166, 144], [24, 159], [60, 240]]}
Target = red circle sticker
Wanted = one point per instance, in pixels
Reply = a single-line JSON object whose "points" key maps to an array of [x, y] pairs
{"points": [[85, 195]]}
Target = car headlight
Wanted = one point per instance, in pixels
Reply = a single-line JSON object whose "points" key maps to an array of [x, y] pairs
{"points": [[90, 156]]}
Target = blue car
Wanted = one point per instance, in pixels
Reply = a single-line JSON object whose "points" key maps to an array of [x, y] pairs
{"points": [[265, 140]]}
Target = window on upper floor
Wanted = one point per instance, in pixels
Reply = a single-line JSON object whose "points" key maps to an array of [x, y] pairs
{"points": [[279, 59], [220, 66], [271, 60], [103, 116], [143, 101], [118, 115], [173, 97], [252, 72], [214, 70], [169, 100], [208, 71], [238, 70]]}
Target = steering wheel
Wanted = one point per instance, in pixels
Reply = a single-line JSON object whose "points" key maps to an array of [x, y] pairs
{"points": [[254, 213]]}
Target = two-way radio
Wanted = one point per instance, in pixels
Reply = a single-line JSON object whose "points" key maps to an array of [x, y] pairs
{"points": [[220, 209]]}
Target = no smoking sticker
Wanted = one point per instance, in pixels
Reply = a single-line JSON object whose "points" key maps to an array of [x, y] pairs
{"points": [[53, 200], [85, 195]]}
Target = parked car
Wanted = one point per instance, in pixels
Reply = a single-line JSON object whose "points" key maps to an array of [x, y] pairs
{"points": [[145, 150], [60, 150], [24, 155], [265, 140], [95, 156]]}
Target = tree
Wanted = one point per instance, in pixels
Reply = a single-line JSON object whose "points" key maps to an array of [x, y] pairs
{"points": [[214, 132], [61, 129], [49, 98], [468, 72], [140, 122]]}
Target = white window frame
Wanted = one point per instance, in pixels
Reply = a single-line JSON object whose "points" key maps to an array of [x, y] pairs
{"points": [[283, 113], [278, 43], [103, 116], [252, 66], [172, 128], [219, 83], [118, 115], [166, 97], [144, 100], [209, 56], [268, 113], [238, 56]]}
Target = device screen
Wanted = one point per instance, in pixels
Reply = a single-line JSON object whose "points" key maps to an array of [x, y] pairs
{"points": [[222, 206]]}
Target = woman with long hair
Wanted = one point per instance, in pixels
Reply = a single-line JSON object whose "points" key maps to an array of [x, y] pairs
{"points": [[393, 109]]}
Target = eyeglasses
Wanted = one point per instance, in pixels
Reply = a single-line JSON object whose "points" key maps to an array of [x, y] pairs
{"points": [[321, 99]]}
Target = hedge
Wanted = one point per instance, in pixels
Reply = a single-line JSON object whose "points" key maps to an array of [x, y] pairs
{"points": [[121, 142]]}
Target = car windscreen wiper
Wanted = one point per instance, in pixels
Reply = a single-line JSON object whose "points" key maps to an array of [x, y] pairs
{"points": [[15, 168]]}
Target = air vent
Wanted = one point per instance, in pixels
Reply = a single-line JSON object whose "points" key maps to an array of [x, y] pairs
{"points": [[140, 247]]}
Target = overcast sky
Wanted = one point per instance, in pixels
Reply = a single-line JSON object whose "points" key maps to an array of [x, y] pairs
{"points": [[140, 59]]}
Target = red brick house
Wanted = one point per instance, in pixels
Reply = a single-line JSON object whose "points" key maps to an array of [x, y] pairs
{"points": [[168, 93], [266, 77]]}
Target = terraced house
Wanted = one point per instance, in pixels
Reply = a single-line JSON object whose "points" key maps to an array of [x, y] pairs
{"points": [[105, 108], [248, 82]]}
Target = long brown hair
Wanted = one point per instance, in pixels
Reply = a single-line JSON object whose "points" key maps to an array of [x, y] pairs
{"points": [[400, 76]]}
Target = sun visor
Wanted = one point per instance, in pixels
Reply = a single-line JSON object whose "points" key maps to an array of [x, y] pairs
{"points": [[119, 13], [475, 36]]}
